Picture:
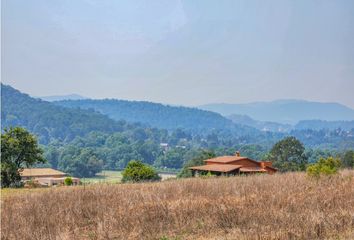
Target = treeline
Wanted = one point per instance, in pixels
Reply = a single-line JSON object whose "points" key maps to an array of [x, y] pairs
{"points": [[288, 154], [321, 124], [51, 122], [153, 114], [85, 156], [82, 142], [337, 139], [156, 147]]}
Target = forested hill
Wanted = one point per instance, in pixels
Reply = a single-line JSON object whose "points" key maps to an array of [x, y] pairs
{"points": [[49, 121], [54, 122], [77, 141], [320, 124], [154, 114]]}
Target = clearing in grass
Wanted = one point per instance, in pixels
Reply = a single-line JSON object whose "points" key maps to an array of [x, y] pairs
{"points": [[105, 176]]}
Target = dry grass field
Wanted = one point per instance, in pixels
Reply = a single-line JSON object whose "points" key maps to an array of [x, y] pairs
{"points": [[282, 206]]}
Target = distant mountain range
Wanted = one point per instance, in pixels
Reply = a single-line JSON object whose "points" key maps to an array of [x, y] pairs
{"points": [[63, 97], [285, 128], [285, 111], [64, 121], [154, 114], [67, 119], [276, 116]]}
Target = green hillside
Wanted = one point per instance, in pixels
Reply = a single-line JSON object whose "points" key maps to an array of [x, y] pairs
{"points": [[82, 142], [49, 121], [153, 114]]}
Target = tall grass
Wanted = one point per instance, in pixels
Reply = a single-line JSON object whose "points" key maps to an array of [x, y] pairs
{"points": [[281, 206]]}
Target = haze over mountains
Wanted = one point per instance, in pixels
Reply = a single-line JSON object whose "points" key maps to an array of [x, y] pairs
{"points": [[180, 51], [275, 116], [63, 97], [260, 125], [153, 114], [285, 111], [67, 120]]}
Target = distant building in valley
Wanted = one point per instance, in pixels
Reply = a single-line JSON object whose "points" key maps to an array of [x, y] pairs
{"points": [[164, 146], [233, 165], [45, 176]]}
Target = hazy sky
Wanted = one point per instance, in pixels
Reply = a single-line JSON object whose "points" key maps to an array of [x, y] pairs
{"points": [[181, 52]]}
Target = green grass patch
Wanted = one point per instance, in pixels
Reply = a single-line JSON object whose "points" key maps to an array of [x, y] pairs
{"points": [[105, 176]]}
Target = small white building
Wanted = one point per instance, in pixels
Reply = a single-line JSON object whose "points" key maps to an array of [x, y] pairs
{"points": [[164, 146]]}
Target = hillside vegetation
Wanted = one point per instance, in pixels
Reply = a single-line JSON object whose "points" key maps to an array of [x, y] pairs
{"points": [[281, 206], [49, 121], [153, 114], [321, 124], [82, 142], [261, 125]]}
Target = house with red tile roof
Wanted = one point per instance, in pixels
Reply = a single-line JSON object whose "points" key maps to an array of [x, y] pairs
{"points": [[232, 165]]}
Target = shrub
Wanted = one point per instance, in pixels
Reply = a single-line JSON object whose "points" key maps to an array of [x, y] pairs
{"points": [[348, 159], [31, 184], [324, 166], [206, 174], [68, 181], [136, 171]]}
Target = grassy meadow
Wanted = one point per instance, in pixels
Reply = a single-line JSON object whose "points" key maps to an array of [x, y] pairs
{"points": [[280, 206], [105, 176], [108, 176]]}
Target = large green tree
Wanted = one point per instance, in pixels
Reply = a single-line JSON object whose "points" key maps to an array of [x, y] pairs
{"points": [[348, 159], [173, 158], [136, 171], [81, 162], [198, 160], [19, 149], [288, 155]]}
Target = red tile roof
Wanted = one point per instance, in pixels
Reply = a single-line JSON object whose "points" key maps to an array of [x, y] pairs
{"points": [[217, 167], [225, 159]]}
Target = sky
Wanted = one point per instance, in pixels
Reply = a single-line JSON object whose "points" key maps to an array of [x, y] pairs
{"points": [[182, 52]]}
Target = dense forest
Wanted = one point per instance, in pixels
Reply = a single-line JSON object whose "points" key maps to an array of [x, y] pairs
{"points": [[83, 141], [154, 114], [322, 124], [50, 122], [260, 125]]}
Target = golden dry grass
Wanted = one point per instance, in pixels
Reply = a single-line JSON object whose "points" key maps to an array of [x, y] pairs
{"points": [[282, 206]]}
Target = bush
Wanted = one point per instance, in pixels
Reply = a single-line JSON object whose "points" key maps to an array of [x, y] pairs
{"points": [[348, 159], [31, 184], [136, 171], [324, 166], [68, 181]]}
